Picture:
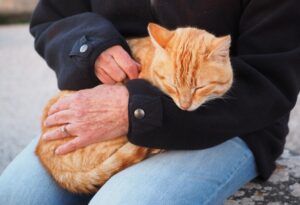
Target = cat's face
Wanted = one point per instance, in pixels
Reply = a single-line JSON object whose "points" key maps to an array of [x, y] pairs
{"points": [[190, 65]]}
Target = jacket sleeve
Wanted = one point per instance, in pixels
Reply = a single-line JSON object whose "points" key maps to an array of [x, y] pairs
{"points": [[70, 38], [267, 80]]}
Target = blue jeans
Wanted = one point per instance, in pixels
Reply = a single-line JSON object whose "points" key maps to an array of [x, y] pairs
{"points": [[206, 176]]}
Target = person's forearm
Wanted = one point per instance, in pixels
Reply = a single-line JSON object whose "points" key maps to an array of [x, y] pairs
{"points": [[70, 39]]}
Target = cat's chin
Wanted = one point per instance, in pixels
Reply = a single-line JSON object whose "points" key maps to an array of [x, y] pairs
{"points": [[195, 106], [190, 109]]}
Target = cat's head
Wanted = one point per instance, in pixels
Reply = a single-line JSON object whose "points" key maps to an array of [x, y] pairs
{"points": [[190, 65]]}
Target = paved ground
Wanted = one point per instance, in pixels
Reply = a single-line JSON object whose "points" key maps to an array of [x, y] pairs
{"points": [[26, 84]]}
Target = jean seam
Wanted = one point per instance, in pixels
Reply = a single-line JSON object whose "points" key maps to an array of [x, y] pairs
{"points": [[230, 176]]}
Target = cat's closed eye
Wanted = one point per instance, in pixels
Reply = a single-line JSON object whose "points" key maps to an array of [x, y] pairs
{"points": [[167, 83], [171, 87], [171, 84], [198, 88], [159, 75]]}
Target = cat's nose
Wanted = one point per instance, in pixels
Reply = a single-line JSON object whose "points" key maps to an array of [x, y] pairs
{"points": [[185, 105]]}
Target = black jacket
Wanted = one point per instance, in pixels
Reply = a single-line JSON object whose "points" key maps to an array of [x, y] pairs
{"points": [[265, 55]]}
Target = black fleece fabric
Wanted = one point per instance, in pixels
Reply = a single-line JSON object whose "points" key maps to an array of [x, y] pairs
{"points": [[265, 56]]}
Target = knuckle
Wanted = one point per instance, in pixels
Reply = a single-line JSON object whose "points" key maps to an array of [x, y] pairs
{"points": [[101, 72], [97, 65], [107, 68], [100, 59], [104, 57]]}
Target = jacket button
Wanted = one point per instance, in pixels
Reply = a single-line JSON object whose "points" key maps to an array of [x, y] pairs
{"points": [[83, 48], [139, 113]]}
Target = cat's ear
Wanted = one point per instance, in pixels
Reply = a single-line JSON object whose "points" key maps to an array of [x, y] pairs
{"points": [[160, 36], [220, 49]]}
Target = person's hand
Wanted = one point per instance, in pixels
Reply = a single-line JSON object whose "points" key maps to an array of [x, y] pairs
{"points": [[115, 65], [92, 115]]}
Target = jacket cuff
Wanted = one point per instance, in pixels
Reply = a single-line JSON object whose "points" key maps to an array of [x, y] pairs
{"points": [[145, 98], [86, 50]]}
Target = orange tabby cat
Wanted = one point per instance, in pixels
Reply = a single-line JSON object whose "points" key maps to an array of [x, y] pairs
{"points": [[188, 64]]}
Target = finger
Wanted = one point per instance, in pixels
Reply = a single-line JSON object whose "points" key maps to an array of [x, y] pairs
{"points": [[61, 104], [128, 65], [114, 70], [103, 77], [59, 118], [72, 145], [138, 66], [58, 133]]}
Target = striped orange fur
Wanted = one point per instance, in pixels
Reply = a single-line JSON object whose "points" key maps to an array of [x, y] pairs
{"points": [[188, 64]]}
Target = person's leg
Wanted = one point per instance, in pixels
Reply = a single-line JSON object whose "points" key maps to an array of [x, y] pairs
{"points": [[26, 182], [199, 177]]}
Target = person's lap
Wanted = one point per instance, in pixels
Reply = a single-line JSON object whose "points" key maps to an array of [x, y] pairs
{"points": [[26, 182], [175, 177]]}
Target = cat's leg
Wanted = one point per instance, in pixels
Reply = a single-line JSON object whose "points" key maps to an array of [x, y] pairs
{"points": [[197, 177], [25, 182]]}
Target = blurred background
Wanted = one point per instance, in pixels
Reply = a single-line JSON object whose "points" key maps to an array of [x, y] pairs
{"points": [[13, 11], [26, 84]]}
